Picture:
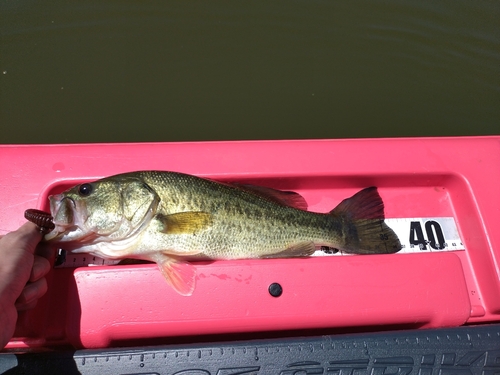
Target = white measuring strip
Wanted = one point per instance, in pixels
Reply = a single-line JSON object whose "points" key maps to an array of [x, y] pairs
{"points": [[421, 235], [66, 259], [427, 234], [417, 235]]}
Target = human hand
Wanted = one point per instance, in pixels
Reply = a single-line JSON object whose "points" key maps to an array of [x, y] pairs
{"points": [[22, 276]]}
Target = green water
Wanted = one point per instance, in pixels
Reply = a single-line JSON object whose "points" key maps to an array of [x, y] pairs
{"points": [[129, 71]]}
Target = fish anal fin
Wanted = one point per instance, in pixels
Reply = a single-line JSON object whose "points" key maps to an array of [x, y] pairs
{"points": [[285, 198], [184, 222], [365, 204], [180, 275], [301, 249]]}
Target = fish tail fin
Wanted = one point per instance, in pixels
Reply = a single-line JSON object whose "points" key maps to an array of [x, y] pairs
{"points": [[363, 228]]}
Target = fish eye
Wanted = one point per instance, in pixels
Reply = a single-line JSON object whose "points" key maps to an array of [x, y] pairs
{"points": [[85, 190]]}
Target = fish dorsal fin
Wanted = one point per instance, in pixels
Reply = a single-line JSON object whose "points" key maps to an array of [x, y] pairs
{"points": [[365, 204], [285, 198], [301, 249], [180, 275], [184, 222]]}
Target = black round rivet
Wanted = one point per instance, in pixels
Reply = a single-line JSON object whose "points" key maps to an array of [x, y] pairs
{"points": [[275, 290]]}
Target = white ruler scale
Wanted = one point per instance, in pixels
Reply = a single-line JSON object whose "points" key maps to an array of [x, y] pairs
{"points": [[417, 235], [420, 235], [67, 259], [427, 234]]}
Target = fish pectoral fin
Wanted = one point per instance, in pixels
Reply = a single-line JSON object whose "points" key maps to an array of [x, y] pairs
{"points": [[180, 275], [301, 249], [184, 222]]}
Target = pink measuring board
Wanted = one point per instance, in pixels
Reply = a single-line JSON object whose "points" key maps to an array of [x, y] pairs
{"points": [[455, 179]]}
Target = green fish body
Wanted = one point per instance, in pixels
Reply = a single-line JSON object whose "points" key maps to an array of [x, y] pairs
{"points": [[172, 218]]}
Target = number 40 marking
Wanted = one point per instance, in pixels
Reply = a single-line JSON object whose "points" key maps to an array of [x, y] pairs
{"points": [[435, 237]]}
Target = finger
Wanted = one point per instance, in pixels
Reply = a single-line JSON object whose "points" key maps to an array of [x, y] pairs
{"points": [[32, 292], [47, 251], [26, 306], [41, 267], [30, 232], [26, 238]]}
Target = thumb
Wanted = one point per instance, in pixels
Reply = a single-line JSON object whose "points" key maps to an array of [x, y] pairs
{"points": [[23, 240]]}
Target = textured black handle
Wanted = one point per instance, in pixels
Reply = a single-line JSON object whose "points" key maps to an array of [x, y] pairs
{"points": [[453, 351]]}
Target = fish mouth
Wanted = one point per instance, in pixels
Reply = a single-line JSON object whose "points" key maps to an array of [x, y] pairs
{"points": [[63, 210]]}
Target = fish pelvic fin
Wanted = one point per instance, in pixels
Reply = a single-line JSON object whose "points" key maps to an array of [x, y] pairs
{"points": [[184, 222], [180, 275], [363, 228]]}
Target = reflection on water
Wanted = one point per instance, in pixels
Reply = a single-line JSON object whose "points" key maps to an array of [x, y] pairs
{"points": [[165, 71]]}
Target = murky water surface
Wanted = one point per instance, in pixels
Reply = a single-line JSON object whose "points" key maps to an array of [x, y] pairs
{"points": [[115, 71]]}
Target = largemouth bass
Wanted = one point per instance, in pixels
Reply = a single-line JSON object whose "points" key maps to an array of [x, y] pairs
{"points": [[172, 218]]}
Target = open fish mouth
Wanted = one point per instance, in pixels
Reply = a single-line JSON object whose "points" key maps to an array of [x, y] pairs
{"points": [[63, 210]]}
